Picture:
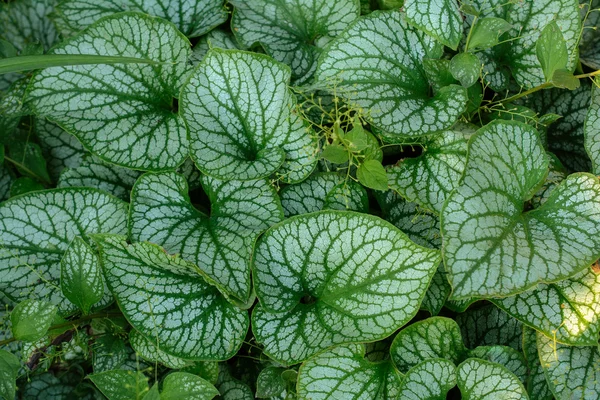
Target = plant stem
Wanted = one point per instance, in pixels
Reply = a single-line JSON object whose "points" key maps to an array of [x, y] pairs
{"points": [[588, 75], [24, 168]]}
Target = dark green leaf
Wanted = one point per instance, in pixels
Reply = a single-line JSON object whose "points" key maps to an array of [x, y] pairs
{"points": [[31, 319], [465, 67]]}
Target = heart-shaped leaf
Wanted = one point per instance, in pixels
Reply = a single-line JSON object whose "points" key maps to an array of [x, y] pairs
{"points": [[335, 277], [244, 128], [37, 228], [182, 385], [377, 64], [31, 319], [430, 379], [231, 388], [489, 326], [123, 113], [291, 30], [149, 351], [323, 191], [491, 246], [506, 356], [220, 244], [484, 380], [465, 68], [486, 32], [154, 290], [438, 18], [343, 372], [537, 386], [121, 385], [192, 17]]}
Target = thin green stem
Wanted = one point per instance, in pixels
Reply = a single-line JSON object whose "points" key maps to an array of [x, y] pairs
{"points": [[470, 33], [24, 168]]}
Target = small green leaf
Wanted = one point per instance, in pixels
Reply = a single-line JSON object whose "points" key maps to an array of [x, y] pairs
{"points": [[356, 139], [431, 379], [372, 175], [565, 80], [9, 370], [344, 373], [469, 9], [24, 185], [435, 337], [486, 32], [551, 49], [149, 351], [153, 393], [270, 383], [29, 160], [335, 153], [484, 380], [506, 356], [31, 319], [141, 277], [81, 275], [7, 50], [438, 18], [121, 385], [322, 279], [465, 67], [181, 385]]}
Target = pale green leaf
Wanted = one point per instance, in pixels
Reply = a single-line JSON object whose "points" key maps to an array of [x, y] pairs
{"points": [[429, 178], [238, 108], [291, 30], [438, 18], [147, 349], [591, 130], [152, 394], [121, 385], [436, 337], [31, 319], [484, 380], [25, 22], [567, 311], [181, 385], [491, 246], [270, 382], [486, 32], [9, 369], [372, 175], [431, 379], [220, 244], [565, 80], [489, 326], [37, 228], [556, 174], [122, 113], [335, 277], [344, 373], [60, 149], [231, 388], [537, 386], [191, 17], [506, 356], [571, 372], [465, 68], [376, 64], [213, 39], [551, 50], [323, 191], [154, 290], [81, 278]]}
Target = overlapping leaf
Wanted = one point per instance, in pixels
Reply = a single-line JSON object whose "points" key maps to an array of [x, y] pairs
{"points": [[491, 247], [149, 351], [439, 18], [169, 301], [430, 379], [489, 326], [506, 356], [60, 149], [536, 385], [220, 244], [335, 277], [239, 111], [123, 113], [377, 65], [484, 380]]}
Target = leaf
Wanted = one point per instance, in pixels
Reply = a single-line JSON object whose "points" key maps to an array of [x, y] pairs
{"points": [[46, 386], [556, 174], [432, 338], [6, 180], [213, 39], [438, 18], [142, 277], [292, 31], [24, 185], [109, 352], [220, 244], [24, 22], [565, 80], [486, 33], [270, 383], [29, 160], [438, 73], [122, 113], [181, 385], [243, 128], [37, 228], [191, 17], [376, 65], [60, 149], [591, 130], [489, 326], [9, 369], [81, 275], [208, 370], [147, 349], [571, 372], [372, 175], [326, 190], [231, 388], [31, 319], [537, 386], [335, 153], [508, 357], [465, 67], [484, 380], [344, 373], [7, 50], [152, 394], [429, 178], [121, 385], [589, 44], [357, 139], [430, 379], [483, 223], [325, 278], [551, 50]]}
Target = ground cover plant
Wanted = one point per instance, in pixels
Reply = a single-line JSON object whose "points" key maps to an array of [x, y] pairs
{"points": [[299, 199]]}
